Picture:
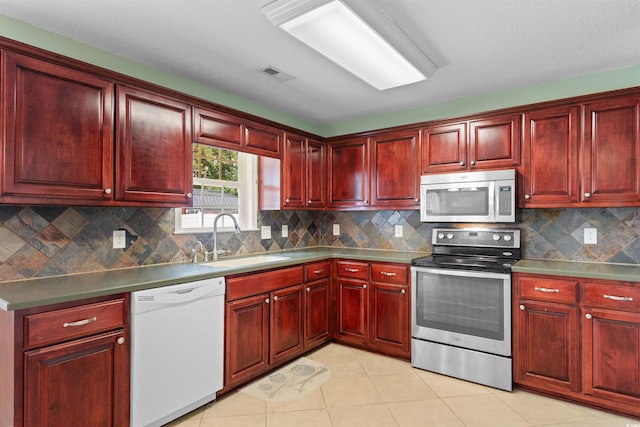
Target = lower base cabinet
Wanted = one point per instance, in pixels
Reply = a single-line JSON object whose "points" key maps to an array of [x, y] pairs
{"points": [[578, 339], [72, 365]]}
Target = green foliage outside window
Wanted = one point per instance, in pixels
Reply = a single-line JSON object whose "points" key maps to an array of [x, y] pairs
{"points": [[215, 163]]}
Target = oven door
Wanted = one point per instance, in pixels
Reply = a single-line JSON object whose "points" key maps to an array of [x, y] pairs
{"points": [[462, 308]]}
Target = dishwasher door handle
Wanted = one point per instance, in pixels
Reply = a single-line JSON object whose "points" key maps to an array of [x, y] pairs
{"points": [[184, 295]]}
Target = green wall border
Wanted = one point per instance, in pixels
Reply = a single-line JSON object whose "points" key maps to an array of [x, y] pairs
{"points": [[547, 91]]}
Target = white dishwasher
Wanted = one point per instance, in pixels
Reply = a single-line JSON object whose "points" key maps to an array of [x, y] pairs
{"points": [[177, 350]]}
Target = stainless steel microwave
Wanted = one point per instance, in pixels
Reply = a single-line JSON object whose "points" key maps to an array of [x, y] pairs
{"points": [[482, 196]]}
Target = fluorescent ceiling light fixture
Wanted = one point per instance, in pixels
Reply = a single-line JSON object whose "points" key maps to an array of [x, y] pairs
{"points": [[336, 32]]}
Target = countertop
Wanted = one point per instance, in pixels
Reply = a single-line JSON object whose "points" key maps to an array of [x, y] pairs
{"points": [[589, 270], [26, 293]]}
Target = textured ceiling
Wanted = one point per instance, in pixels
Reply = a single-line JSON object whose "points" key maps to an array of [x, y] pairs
{"points": [[479, 46]]}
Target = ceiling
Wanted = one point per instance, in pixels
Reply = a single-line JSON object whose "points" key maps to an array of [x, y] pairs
{"points": [[479, 47]]}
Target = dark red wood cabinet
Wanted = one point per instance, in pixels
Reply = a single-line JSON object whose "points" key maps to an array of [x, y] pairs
{"points": [[303, 173], [317, 304], [348, 174]]}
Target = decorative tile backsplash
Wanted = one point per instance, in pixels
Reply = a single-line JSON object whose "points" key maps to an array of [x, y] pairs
{"points": [[40, 241]]}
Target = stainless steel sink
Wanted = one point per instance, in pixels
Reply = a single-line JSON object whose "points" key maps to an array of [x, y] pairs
{"points": [[241, 262]]}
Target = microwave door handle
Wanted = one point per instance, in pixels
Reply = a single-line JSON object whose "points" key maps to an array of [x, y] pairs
{"points": [[493, 201]]}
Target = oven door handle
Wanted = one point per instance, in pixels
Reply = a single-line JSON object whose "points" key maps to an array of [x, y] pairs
{"points": [[459, 273]]}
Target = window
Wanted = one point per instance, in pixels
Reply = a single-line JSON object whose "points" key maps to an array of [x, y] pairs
{"points": [[224, 181]]}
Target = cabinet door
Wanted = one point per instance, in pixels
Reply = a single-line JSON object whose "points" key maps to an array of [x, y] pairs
{"points": [[395, 172], [316, 174], [389, 319], [316, 317], [494, 142], [352, 319], [246, 338], [216, 128], [287, 317], [611, 355], [294, 172], [58, 145], [611, 153], [546, 345], [550, 157], [262, 139], [154, 156], [444, 148], [349, 173], [79, 383]]}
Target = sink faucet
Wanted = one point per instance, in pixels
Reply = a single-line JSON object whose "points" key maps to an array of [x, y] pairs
{"points": [[215, 232]]}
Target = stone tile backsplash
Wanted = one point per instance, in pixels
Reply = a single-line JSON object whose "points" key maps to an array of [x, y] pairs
{"points": [[38, 241]]}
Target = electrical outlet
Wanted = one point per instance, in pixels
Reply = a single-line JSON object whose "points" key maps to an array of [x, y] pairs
{"points": [[265, 232], [398, 230], [285, 231], [336, 229], [590, 236], [119, 239]]}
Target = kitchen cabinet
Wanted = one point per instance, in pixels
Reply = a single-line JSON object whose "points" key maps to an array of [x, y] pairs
{"points": [[303, 173], [546, 333], [611, 153], [373, 306], [348, 173], [154, 159], [71, 363], [232, 132], [578, 339], [61, 147], [286, 323], [317, 304], [59, 139], [488, 143], [550, 157], [395, 170]]}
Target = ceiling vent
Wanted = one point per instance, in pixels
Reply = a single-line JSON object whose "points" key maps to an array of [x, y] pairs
{"points": [[276, 74]]}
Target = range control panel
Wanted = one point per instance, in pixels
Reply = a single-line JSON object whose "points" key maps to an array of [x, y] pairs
{"points": [[495, 238]]}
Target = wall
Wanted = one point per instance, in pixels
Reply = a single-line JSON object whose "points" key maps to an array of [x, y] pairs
{"points": [[41, 241]]}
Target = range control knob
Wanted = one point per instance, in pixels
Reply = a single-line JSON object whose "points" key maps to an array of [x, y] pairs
{"points": [[449, 236], [507, 237], [440, 236], [496, 237]]}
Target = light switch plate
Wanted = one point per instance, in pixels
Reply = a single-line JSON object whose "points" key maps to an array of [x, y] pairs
{"points": [[119, 239], [590, 236], [265, 232], [398, 230], [336, 229], [285, 231]]}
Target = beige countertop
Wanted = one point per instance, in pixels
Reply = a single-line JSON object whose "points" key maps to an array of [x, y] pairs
{"points": [[589, 270], [19, 294]]}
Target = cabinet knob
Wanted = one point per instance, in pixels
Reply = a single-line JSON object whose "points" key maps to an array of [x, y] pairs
{"points": [[403, 291], [309, 201], [587, 195], [461, 163], [189, 195], [588, 316], [473, 163], [286, 200], [275, 298], [364, 286], [120, 340], [107, 190], [308, 289], [416, 200], [527, 196], [366, 202], [267, 301], [522, 307]]}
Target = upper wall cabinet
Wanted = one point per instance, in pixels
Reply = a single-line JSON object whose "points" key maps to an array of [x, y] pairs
{"points": [[154, 157], [550, 157], [234, 133], [348, 171], [395, 171], [303, 173], [489, 143], [611, 153], [58, 134]]}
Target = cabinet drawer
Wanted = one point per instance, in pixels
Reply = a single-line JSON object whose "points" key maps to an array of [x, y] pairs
{"points": [[74, 322], [549, 289], [259, 283], [390, 273], [612, 296], [353, 269], [317, 270]]}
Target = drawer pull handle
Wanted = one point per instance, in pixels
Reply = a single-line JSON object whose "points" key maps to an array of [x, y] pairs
{"points": [[616, 298], [351, 270], [79, 322], [547, 290], [318, 271], [386, 273]]}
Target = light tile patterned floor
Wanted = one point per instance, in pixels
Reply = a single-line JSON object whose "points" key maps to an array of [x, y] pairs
{"points": [[370, 390]]}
